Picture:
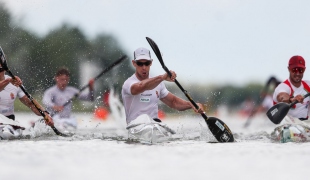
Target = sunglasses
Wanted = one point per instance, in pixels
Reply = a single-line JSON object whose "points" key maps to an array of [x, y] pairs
{"points": [[146, 63], [2, 69], [297, 69]]}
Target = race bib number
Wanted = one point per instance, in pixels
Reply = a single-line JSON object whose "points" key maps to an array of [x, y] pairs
{"points": [[145, 100]]}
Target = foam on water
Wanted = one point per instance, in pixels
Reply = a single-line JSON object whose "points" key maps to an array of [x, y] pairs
{"points": [[187, 128]]}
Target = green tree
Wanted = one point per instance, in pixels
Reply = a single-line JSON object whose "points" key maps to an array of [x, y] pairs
{"points": [[66, 46], [37, 59]]}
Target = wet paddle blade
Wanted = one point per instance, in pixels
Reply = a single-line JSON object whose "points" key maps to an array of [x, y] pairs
{"points": [[220, 130], [277, 112]]}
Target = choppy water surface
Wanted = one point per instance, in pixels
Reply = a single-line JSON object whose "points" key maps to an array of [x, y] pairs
{"points": [[100, 150]]}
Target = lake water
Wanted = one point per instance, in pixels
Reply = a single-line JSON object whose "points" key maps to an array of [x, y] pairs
{"points": [[100, 150]]}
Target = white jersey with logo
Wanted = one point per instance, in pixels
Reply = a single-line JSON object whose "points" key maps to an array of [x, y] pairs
{"points": [[7, 98], [53, 96], [143, 103], [301, 109]]}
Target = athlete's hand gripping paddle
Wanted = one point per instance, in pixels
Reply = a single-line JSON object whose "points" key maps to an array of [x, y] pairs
{"points": [[217, 127], [4, 65], [277, 112]]}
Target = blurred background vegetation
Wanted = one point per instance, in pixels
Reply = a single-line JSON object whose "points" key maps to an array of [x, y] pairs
{"points": [[35, 60]]}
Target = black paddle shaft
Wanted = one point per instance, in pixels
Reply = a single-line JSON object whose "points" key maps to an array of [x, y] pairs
{"points": [[217, 127], [4, 65], [295, 102], [158, 54], [185, 92], [261, 98], [97, 77]]}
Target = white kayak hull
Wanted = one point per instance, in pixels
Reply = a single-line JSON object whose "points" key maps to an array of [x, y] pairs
{"points": [[10, 129], [65, 124], [145, 130], [291, 130]]}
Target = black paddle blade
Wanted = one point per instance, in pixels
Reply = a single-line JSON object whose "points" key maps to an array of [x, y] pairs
{"points": [[220, 130], [155, 49], [59, 133], [158, 54], [277, 112]]}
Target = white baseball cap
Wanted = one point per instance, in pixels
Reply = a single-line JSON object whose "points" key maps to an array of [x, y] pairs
{"points": [[142, 53]]}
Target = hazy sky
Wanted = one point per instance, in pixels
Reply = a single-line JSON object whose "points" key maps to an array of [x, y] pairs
{"points": [[204, 41]]}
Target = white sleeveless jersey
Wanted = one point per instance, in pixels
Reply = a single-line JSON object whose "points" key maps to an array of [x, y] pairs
{"points": [[301, 109], [143, 103], [53, 96], [7, 98]]}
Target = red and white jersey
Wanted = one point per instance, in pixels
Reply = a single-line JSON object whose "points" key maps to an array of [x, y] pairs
{"points": [[300, 110], [143, 103], [7, 98]]}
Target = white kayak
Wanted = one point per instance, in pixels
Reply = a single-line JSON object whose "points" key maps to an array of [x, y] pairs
{"points": [[10, 129], [292, 130], [65, 124], [146, 130]]}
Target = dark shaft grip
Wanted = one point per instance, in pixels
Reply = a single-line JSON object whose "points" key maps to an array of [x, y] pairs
{"points": [[295, 102]]}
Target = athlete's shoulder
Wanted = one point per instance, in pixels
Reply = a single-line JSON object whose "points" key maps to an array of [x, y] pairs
{"points": [[307, 81], [282, 87], [6, 76], [283, 84], [11, 87], [50, 89], [72, 89], [130, 80]]}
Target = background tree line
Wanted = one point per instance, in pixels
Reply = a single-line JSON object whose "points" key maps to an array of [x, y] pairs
{"points": [[36, 59]]}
